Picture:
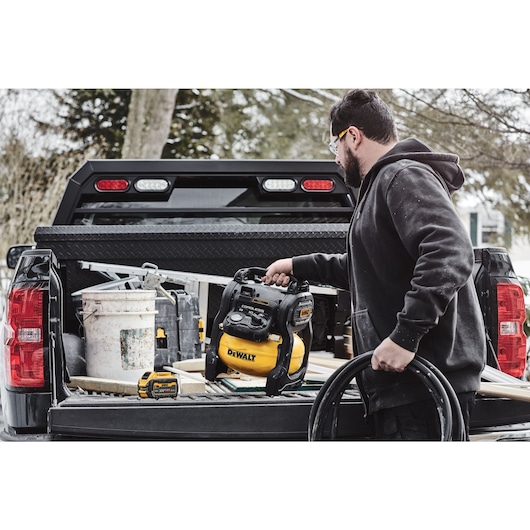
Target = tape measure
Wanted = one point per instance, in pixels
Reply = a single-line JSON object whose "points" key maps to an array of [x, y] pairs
{"points": [[158, 385]]}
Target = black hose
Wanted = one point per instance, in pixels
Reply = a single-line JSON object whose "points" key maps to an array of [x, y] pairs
{"points": [[329, 396]]}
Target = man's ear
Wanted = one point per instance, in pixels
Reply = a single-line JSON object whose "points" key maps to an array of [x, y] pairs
{"points": [[354, 132]]}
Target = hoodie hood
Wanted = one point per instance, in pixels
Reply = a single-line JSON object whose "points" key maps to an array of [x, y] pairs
{"points": [[444, 164]]}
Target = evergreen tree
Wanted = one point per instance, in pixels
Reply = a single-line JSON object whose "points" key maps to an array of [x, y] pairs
{"points": [[95, 118], [488, 129]]}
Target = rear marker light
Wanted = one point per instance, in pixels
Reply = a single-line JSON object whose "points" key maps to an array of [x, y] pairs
{"points": [[112, 185], [23, 338], [511, 346], [151, 185], [318, 185], [279, 185]]}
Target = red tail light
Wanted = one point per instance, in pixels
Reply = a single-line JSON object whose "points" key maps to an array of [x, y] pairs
{"points": [[511, 348], [112, 185], [24, 338], [318, 185]]}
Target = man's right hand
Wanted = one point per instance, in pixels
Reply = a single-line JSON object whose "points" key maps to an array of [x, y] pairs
{"points": [[279, 272]]}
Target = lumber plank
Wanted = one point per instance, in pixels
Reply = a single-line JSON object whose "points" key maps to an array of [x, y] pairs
{"points": [[190, 365], [112, 386], [96, 384], [521, 393], [328, 362], [191, 386]]}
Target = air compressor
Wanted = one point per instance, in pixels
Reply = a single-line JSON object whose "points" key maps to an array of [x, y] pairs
{"points": [[262, 330]]}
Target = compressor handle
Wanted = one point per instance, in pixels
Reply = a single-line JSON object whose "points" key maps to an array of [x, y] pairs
{"points": [[256, 273], [250, 273]]}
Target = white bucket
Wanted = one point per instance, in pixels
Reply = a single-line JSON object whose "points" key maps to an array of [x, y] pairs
{"points": [[119, 333]]}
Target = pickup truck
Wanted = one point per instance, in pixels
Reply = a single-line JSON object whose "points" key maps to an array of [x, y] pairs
{"points": [[198, 222]]}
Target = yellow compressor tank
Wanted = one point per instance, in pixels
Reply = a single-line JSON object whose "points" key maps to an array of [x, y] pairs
{"points": [[257, 358]]}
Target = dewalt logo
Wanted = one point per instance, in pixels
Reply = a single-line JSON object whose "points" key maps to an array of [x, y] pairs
{"points": [[241, 355]]}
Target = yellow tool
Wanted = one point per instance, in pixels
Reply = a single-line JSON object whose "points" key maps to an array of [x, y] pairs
{"points": [[262, 330], [158, 385]]}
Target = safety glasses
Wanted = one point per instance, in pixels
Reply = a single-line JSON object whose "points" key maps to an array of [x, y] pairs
{"points": [[333, 144]]}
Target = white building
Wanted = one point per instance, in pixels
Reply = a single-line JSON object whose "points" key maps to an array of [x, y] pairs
{"points": [[488, 228]]}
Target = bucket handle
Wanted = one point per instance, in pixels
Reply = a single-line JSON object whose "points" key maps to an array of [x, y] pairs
{"points": [[117, 313]]}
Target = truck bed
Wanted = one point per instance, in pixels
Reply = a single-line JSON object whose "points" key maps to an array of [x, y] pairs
{"points": [[217, 415], [211, 218]]}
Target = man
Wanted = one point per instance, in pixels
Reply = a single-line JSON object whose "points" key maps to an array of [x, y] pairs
{"points": [[408, 266]]}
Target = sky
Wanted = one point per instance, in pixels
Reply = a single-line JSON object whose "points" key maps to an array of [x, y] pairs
{"points": [[242, 44]]}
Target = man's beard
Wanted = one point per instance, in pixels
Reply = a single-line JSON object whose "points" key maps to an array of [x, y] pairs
{"points": [[352, 170]]}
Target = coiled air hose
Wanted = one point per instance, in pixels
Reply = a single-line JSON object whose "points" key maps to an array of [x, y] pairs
{"points": [[328, 399]]}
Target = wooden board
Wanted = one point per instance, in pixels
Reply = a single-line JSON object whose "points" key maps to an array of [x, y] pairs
{"points": [[191, 365], [326, 360], [521, 393], [319, 368], [246, 384], [191, 386], [257, 384], [112, 386], [96, 384]]}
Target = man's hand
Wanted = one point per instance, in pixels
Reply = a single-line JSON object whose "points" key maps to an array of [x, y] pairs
{"points": [[278, 272], [390, 357]]}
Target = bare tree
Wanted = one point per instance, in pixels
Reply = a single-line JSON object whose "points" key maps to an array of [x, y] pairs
{"points": [[33, 166], [488, 129], [148, 122]]}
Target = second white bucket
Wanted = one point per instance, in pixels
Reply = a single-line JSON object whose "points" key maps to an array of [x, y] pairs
{"points": [[119, 333]]}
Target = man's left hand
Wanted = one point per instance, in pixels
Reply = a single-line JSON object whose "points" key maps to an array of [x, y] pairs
{"points": [[390, 357]]}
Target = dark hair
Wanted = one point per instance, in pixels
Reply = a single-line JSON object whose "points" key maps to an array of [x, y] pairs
{"points": [[365, 110]]}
